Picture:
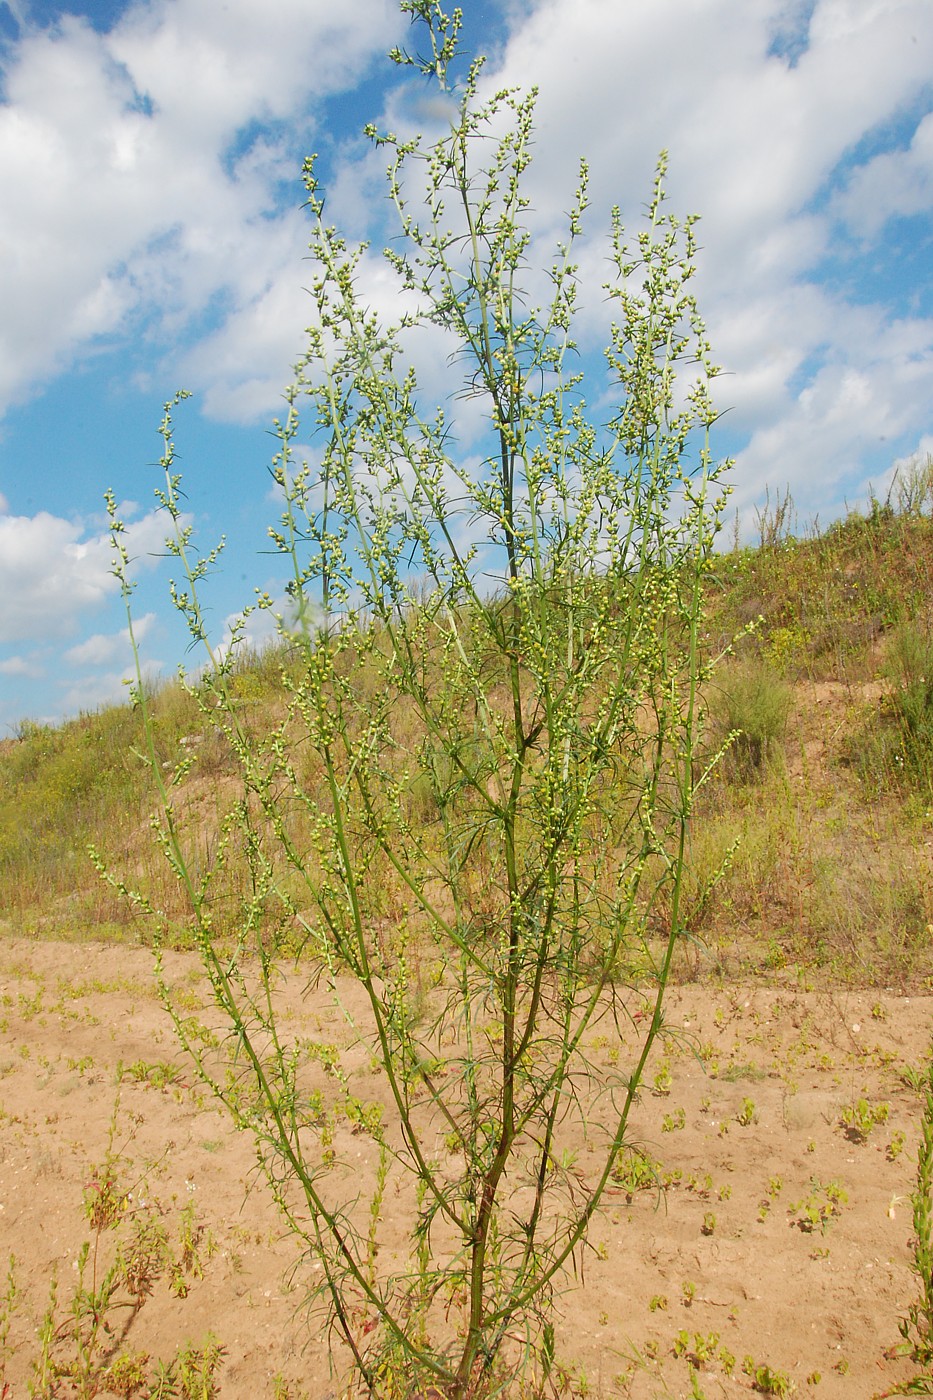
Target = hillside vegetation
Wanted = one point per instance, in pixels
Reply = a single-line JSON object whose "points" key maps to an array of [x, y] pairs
{"points": [[784, 1114], [811, 841]]}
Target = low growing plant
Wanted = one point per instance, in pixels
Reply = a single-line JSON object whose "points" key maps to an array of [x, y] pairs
{"points": [[9, 1301], [895, 749], [765, 1379], [747, 1114], [916, 1327], [633, 1171], [820, 1208], [477, 803], [859, 1118], [83, 1345], [699, 1348], [750, 703]]}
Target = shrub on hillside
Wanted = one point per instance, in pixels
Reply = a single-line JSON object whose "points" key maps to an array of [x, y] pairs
{"points": [[751, 703]]}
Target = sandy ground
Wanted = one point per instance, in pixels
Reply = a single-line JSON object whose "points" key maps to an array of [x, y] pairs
{"points": [[723, 1265]]}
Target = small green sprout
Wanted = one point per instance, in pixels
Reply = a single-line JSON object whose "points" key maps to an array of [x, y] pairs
{"points": [[860, 1117], [663, 1081], [820, 1208], [766, 1380], [747, 1114]]}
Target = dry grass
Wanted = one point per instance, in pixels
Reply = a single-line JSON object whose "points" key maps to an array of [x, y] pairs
{"points": [[812, 839]]}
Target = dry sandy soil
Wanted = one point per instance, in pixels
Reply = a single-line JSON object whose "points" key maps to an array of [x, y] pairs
{"points": [[725, 1251]]}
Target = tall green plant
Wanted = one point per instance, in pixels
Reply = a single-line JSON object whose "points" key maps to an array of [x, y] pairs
{"points": [[477, 805]]}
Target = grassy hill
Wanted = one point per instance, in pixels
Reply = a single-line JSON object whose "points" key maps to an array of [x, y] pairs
{"points": [[812, 839]]}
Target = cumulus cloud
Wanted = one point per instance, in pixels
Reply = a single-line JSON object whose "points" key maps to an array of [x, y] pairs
{"points": [[819, 443], [891, 184], [241, 385], [161, 147], [103, 648], [764, 108], [752, 137], [89, 693], [21, 666], [137, 182], [53, 571]]}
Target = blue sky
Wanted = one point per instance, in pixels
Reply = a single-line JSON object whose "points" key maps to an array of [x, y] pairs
{"points": [[151, 238]]}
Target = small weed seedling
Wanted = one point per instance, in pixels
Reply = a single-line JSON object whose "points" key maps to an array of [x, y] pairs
{"points": [[858, 1119], [8, 1303], [633, 1172], [158, 1074], [700, 1349], [81, 1347], [766, 1380], [818, 1210], [191, 1375], [747, 1114], [663, 1081]]}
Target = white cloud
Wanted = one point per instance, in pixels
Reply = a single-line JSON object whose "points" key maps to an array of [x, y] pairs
{"points": [[752, 139], [895, 183], [21, 666], [260, 629], [130, 187], [89, 693], [245, 364], [817, 445], [758, 105], [210, 69], [134, 187], [901, 470], [103, 648], [921, 452], [755, 136], [52, 571]]}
